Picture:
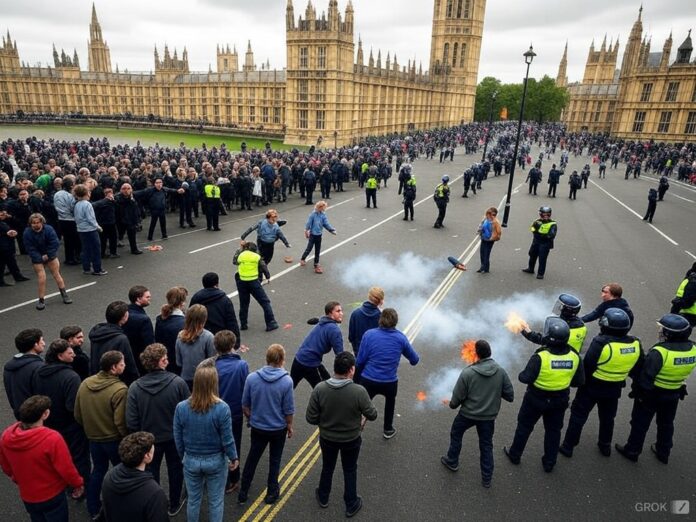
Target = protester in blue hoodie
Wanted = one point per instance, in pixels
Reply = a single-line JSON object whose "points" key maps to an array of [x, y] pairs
{"points": [[365, 318], [232, 375], [269, 405], [323, 338], [267, 233], [378, 361]]}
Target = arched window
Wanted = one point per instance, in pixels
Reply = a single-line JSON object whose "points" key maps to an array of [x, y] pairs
{"points": [[454, 55], [449, 8], [462, 57], [445, 56], [459, 8], [467, 8]]}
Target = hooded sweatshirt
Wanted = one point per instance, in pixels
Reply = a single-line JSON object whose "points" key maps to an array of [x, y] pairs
{"points": [[479, 389], [380, 354], [337, 407], [38, 461], [361, 320], [268, 393], [323, 337], [100, 407], [18, 375], [104, 337], [152, 400], [221, 315], [131, 495], [60, 383]]}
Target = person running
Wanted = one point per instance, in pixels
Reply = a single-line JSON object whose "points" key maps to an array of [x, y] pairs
{"points": [[316, 222], [268, 232]]}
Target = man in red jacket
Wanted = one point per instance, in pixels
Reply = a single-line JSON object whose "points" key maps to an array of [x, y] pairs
{"points": [[37, 459]]}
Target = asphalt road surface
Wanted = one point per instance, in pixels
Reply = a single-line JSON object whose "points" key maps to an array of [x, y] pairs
{"points": [[601, 238]]}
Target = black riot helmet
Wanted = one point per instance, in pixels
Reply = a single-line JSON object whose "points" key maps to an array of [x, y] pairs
{"points": [[556, 331], [567, 305], [615, 322], [674, 327], [545, 210]]}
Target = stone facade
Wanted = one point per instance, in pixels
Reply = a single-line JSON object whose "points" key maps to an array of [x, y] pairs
{"points": [[328, 93], [649, 97]]}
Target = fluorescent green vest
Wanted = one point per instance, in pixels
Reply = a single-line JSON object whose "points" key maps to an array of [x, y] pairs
{"points": [[556, 370], [371, 183], [676, 367], [680, 293], [248, 262], [212, 191], [577, 338], [616, 360], [544, 228]]}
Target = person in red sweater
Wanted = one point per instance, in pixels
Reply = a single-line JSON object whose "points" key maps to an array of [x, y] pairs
{"points": [[37, 459]]}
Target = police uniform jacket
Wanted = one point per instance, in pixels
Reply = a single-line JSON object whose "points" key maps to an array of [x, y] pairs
{"points": [[530, 373], [652, 366], [603, 388]]}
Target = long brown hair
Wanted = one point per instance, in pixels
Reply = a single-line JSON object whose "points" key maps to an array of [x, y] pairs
{"points": [[196, 316], [205, 389], [176, 296]]}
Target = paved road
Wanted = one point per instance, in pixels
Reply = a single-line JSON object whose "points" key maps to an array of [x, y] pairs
{"points": [[601, 238]]}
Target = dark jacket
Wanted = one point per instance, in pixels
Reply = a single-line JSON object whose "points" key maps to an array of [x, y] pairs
{"points": [[105, 211], [323, 338], [7, 243], [166, 332], [18, 376], [80, 363], [104, 337], [127, 211], [60, 383], [232, 374], [139, 331], [479, 389], [361, 320], [221, 315], [131, 495], [41, 243], [152, 400], [598, 312]]}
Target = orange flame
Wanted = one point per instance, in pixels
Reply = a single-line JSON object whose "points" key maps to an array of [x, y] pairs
{"points": [[421, 396], [515, 323], [468, 352]]}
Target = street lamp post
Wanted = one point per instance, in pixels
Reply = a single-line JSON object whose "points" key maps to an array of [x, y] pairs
{"points": [[528, 57], [490, 123]]}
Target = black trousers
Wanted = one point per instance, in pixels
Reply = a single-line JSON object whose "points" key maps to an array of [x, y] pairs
{"points": [[266, 251], [538, 251], [175, 469], [275, 440], [212, 213], [71, 241], [389, 391], [349, 451], [650, 213], [108, 235], [131, 232], [371, 195], [314, 376], [657, 404], [552, 189], [408, 209], [534, 408], [585, 400], [441, 211], [7, 259], [154, 218]]}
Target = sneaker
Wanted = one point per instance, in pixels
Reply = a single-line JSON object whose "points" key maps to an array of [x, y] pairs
{"points": [[100, 273], [565, 451], [446, 463], [86, 272], [388, 434], [174, 510], [242, 497], [40, 305], [515, 461], [622, 451], [271, 498], [356, 507], [322, 504]]}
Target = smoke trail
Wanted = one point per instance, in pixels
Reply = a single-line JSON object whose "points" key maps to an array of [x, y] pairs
{"points": [[409, 272], [439, 387]]}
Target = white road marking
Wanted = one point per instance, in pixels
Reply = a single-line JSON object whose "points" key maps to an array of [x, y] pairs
{"points": [[635, 213], [33, 301], [690, 254], [214, 245], [669, 193]]}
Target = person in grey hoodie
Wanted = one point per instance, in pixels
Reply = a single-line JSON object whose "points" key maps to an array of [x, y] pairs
{"points": [[340, 408], [269, 404], [477, 394], [150, 407]]}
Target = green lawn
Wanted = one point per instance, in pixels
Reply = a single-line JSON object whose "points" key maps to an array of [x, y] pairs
{"points": [[130, 136]]}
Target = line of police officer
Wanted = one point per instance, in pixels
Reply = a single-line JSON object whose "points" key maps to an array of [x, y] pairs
{"points": [[658, 382]]}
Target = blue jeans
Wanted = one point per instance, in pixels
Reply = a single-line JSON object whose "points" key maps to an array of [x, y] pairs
{"points": [[205, 471], [350, 451], [91, 251], [102, 453], [313, 243], [485, 429], [52, 510], [486, 247], [259, 440]]}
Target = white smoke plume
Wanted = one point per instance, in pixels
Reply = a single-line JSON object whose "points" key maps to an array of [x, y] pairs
{"points": [[408, 273]]}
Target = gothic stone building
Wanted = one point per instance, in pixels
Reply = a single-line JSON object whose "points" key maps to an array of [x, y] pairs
{"points": [[649, 97], [327, 93]]}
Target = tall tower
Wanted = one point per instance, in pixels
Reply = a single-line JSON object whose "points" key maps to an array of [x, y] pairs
{"points": [[9, 56], [562, 76], [227, 61], [632, 51], [249, 64], [97, 50], [319, 87], [456, 38]]}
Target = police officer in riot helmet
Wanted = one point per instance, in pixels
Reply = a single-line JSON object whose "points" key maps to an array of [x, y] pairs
{"points": [[612, 356], [544, 232], [549, 374], [567, 307], [659, 387]]}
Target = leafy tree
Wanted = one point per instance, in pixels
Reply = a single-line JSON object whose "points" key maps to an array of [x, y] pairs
{"points": [[544, 100]]}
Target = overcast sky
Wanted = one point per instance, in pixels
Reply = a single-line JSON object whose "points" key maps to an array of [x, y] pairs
{"points": [[132, 28]]}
